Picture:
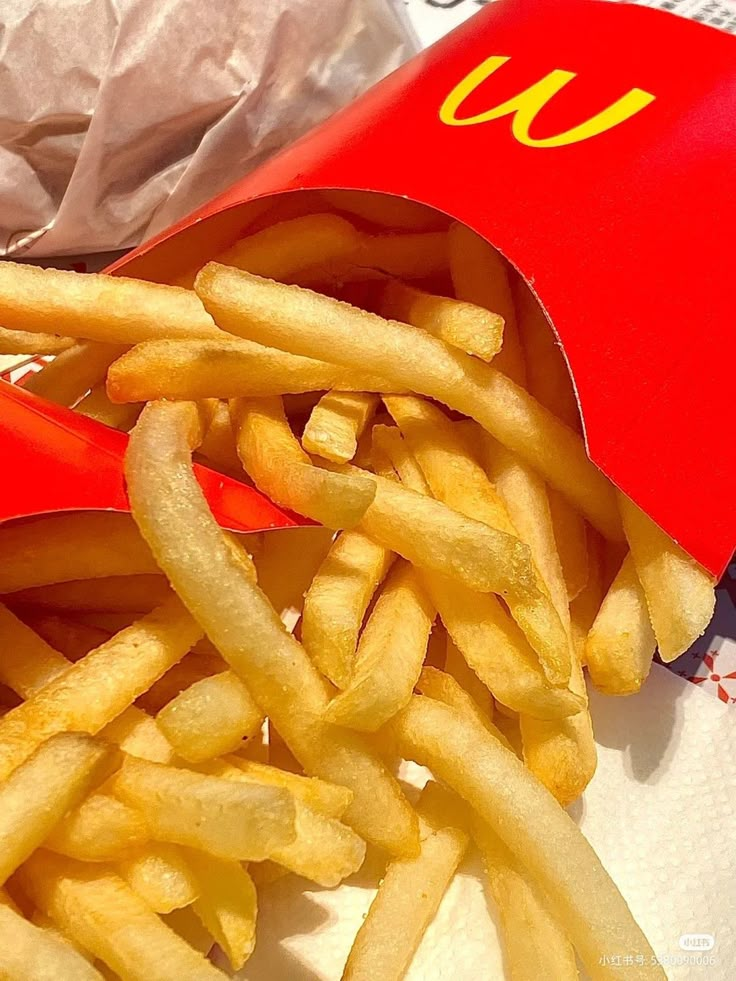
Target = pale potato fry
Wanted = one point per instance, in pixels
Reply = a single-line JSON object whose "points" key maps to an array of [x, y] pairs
{"points": [[27, 662], [336, 423], [25, 342], [456, 665], [137, 734], [100, 829], [547, 373], [162, 875], [98, 307], [466, 326], [288, 563], [225, 369], [441, 686], [227, 905], [108, 594], [680, 593], [210, 718], [390, 654], [272, 456], [335, 603], [30, 953], [97, 405], [97, 909], [282, 250], [534, 943], [385, 209], [390, 458], [74, 372], [231, 820], [462, 754], [40, 919], [408, 897], [267, 312], [184, 674], [571, 539], [36, 796], [71, 546], [621, 642], [246, 630], [98, 688]]}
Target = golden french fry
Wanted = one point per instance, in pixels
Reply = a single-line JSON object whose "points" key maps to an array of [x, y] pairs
{"points": [[462, 754], [336, 423], [137, 734], [227, 905], [98, 307], [456, 666], [100, 829], [441, 686], [162, 875], [542, 951], [108, 594], [98, 688], [210, 718], [97, 405], [547, 373], [466, 326], [411, 255], [386, 209], [571, 540], [621, 642], [284, 249], [407, 899], [72, 638], [225, 369], [27, 662], [218, 446], [184, 674], [25, 342], [30, 953], [71, 546], [230, 820], [245, 628], [97, 909], [335, 603], [36, 796], [268, 312], [272, 456], [680, 593], [74, 372], [301, 551], [390, 458], [390, 654], [189, 927], [584, 608]]}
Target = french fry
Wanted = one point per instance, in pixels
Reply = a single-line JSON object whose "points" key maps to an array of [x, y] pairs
{"points": [[280, 251], [267, 312], [480, 275], [571, 539], [246, 630], [542, 951], [100, 829], [71, 546], [462, 754], [335, 603], [336, 423], [30, 953], [621, 642], [385, 209], [226, 369], [390, 458], [27, 663], [272, 456], [227, 905], [466, 326], [162, 875], [189, 927], [40, 919], [390, 654], [25, 342], [407, 899], [72, 638], [97, 909], [74, 372], [680, 594], [108, 594], [441, 686], [35, 797], [137, 734], [178, 678], [99, 307], [97, 405], [584, 608], [218, 446], [301, 551], [409, 255], [98, 688], [210, 718], [456, 666]]}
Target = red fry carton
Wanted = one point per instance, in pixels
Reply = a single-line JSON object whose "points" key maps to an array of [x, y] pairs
{"points": [[591, 143]]}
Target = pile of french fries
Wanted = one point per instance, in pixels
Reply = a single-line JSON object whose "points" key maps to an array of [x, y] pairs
{"points": [[188, 715]]}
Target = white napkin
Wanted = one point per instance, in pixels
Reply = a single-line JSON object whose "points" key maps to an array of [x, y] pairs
{"points": [[658, 812]]}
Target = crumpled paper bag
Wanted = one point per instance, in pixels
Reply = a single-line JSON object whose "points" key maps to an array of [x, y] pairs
{"points": [[117, 117]]}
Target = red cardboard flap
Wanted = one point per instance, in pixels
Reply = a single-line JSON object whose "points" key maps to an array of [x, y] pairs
{"points": [[594, 144], [64, 461]]}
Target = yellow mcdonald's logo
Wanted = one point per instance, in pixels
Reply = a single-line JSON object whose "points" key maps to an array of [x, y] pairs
{"points": [[524, 107]]}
